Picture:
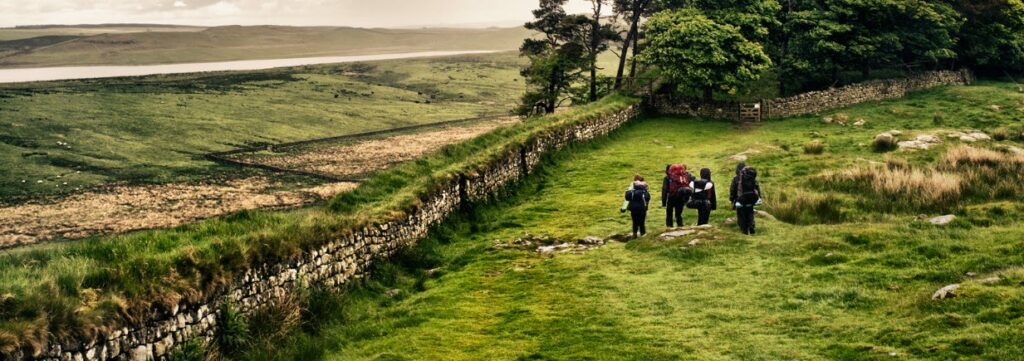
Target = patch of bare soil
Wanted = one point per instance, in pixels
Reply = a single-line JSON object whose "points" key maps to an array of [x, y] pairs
{"points": [[358, 159], [127, 208]]}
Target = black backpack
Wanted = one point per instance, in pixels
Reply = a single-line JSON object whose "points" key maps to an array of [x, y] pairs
{"points": [[748, 193]]}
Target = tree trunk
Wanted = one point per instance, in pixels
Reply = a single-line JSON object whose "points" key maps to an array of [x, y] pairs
{"points": [[625, 55], [632, 64], [594, 45]]}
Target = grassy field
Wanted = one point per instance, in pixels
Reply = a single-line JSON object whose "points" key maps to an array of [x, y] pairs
{"points": [[51, 291], [838, 280], [64, 47], [63, 136]]}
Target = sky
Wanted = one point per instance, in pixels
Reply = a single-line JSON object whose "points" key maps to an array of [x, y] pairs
{"points": [[358, 13]]}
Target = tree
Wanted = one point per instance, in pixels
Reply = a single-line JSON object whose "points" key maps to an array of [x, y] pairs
{"points": [[694, 51], [831, 36], [556, 58], [991, 40]]}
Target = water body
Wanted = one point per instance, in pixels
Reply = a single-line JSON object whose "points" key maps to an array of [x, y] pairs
{"points": [[103, 71]]}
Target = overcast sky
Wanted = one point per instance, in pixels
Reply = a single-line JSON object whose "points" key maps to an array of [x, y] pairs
{"points": [[361, 13]]}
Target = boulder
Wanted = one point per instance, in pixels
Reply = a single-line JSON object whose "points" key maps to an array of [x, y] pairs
{"points": [[946, 292], [942, 220]]}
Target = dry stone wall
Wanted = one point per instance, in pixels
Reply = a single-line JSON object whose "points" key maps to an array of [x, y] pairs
{"points": [[813, 102], [819, 101], [334, 264]]}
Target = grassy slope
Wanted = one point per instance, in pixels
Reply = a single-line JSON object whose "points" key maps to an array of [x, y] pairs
{"points": [[258, 42], [857, 290], [32, 32], [55, 290], [151, 128]]}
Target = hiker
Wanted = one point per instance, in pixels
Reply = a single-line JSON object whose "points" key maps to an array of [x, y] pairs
{"points": [[703, 199], [675, 192], [639, 199], [625, 203], [744, 194]]}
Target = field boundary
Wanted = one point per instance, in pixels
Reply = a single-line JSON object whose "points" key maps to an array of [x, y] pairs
{"points": [[812, 102]]}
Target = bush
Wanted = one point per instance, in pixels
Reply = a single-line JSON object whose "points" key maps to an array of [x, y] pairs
{"points": [[884, 142], [937, 119], [814, 147]]}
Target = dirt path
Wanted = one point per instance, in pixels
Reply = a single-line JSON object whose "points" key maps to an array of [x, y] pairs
{"points": [[360, 158], [136, 207]]}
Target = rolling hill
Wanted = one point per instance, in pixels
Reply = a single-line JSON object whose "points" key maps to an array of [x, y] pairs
{"points": [[63, 47]]}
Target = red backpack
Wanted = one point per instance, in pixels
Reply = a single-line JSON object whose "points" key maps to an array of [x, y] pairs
{"points": [[679, 182]]}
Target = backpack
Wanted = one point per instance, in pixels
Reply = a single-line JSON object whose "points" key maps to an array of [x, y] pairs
{"points": [[699, 200], [679, 183], [748, 193]]}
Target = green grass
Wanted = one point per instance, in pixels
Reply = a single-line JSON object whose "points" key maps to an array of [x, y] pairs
{"points": [[151, 129], [185, 45], [57, 290], [858, 289]]}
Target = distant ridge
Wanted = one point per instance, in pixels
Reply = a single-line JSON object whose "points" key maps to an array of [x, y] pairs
{"points": [[99, 26]]}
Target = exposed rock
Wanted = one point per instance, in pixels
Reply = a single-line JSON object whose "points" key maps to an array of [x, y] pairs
{"points": [[885, 138], [592, 241], [392, 293], [678, 233], [975, 137], [860, 122], [141, 353], [942, 220], [695, 242], [553, 248], [929, 138], [913, 145], [1013, 150], [433, 271], [946, 292]]}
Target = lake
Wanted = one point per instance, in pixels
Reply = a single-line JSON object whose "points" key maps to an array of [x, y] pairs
{"points": [[103, 71]]}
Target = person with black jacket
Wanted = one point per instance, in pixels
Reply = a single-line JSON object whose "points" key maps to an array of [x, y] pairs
{"points": [[703, 199], [639, 199], [744, 194]]}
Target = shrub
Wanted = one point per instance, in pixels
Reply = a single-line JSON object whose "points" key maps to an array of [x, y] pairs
{"points": [[814, 147], [937, 119], [884, 142], [896, 188]]}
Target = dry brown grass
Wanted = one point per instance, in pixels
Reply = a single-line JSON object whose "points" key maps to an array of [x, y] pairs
{"points": [[895, 187], [988, 173]]}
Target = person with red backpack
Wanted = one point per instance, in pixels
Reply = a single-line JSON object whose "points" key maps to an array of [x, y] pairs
{"points": [[675, 193], [744, 194]]}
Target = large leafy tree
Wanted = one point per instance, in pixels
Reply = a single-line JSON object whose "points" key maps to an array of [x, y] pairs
{"points": [[693, 51], [557, 56], [831, 36], [992, 40]]}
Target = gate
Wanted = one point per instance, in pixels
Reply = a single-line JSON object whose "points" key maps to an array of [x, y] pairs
{"points": [[750, 112]]}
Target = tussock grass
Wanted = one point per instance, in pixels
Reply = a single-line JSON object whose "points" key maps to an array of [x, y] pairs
{"points": [[897, 188], [814, 147], [988, 174], [799, 207]]}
